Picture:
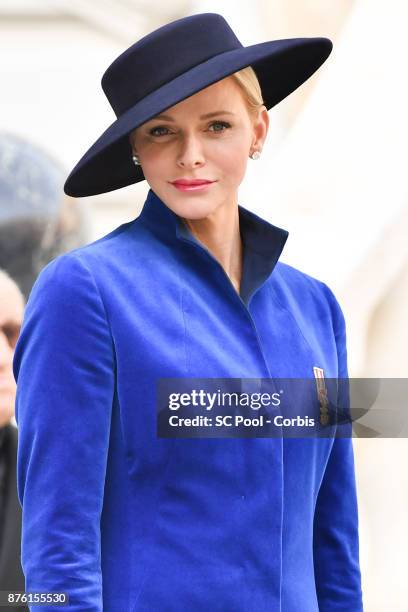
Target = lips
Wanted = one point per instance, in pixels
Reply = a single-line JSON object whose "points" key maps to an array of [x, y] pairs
{"points": [[192, 182]]}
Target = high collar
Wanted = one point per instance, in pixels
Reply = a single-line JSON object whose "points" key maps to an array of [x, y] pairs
{"points": [[262, 242]]}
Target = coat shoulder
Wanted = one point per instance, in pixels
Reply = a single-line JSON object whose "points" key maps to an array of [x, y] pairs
{"points": [[93, 259], [293, 274], [303, 293], [105, 245], [298, 283]]}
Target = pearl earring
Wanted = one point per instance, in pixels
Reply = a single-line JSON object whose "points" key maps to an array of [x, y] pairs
{"points": [[255, 155], [136, 160]]}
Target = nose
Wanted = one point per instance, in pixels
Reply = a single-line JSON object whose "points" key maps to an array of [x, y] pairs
{"points": [[191, 153]]}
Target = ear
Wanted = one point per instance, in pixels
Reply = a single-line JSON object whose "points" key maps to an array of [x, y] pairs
{"points": [[260, 126], [131, 141]]}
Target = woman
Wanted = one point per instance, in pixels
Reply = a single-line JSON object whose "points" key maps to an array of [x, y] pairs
{"points": [[115, 516]]}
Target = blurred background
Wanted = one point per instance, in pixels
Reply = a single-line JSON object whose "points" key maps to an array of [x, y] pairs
{"points": [[332, 173]]}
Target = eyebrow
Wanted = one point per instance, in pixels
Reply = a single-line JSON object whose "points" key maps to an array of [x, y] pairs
{"points": [[206, 116]]}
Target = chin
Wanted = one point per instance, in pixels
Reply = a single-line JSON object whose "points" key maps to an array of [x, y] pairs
{"points": [[195, 208], [187, 205]]}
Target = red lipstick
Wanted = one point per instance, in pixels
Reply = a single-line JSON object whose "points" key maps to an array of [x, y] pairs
{"points": [[192, 184]]}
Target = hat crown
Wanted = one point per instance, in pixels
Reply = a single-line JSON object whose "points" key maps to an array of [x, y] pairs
{"points": [[164, 54]]}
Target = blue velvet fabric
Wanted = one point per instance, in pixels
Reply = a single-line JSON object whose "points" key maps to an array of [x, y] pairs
{"points": [[124, 521]]}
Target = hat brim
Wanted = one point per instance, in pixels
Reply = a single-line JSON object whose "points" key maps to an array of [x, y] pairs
{"points": [[280, 65]]}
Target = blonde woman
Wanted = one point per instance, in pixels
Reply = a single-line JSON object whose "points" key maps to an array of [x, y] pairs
{"points": [[114, 515]]}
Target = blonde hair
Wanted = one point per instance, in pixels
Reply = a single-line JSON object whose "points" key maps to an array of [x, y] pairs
{"points": [[248, 82]]}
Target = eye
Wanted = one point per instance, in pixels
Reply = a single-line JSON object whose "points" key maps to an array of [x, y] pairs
{"points": [[224, 124], [158, 127]]}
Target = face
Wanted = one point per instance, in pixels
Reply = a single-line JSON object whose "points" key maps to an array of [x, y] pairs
{"points": [[208, 136], [11, 315]]}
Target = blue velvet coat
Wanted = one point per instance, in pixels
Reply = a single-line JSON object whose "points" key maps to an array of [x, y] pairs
{"points": [[124, 521]]}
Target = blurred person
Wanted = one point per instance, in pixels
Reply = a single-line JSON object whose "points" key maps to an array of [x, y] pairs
{"points": [[116, 517], [11, 315], [37, 220]]}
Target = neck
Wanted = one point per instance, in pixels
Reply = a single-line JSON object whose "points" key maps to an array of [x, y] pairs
{"points": [[219, 232]]}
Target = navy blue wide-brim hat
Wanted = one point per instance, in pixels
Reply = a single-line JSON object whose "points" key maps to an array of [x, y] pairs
{"points": [[172, 63]]}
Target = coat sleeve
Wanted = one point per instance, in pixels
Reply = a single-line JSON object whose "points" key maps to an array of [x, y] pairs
{"points": [[64, 367], [336, 540]]}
